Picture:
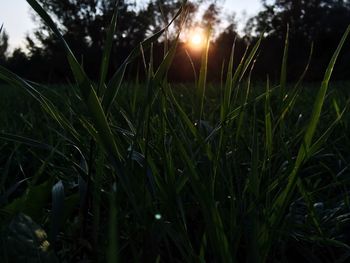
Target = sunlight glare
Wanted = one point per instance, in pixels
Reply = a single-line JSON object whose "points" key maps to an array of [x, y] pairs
{"points": [[197, 40]]}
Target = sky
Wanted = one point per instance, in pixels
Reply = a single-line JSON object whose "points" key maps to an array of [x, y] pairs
{"points": [[16, 18]]}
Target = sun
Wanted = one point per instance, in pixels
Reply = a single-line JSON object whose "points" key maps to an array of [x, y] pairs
{"points": [[196, 39]]}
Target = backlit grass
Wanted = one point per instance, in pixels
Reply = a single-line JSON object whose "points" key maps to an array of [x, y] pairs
{"points": [[149, 171]]}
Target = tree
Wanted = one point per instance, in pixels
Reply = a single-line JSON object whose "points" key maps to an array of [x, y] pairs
{"points": [[162, 11], [18, 62], [310, 21], [3, 46], [211, 16], [307, 18], [84, 25], [86, 21]]}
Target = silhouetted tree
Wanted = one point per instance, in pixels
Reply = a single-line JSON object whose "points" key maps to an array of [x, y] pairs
{"points": [[211, 16], [319, 21], [18, 62], [84, 24], [307, 18], [3, 46], [162, 11]]}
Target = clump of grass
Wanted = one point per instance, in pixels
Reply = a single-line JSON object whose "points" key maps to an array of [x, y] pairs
{"points": [[152, 177]]}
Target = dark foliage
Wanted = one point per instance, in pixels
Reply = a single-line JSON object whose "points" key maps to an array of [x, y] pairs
{"points": [[321, 22], [84, 25], [3, 46]]}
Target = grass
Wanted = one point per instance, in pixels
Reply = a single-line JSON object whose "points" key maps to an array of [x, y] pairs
{"points": [[151, 171]]}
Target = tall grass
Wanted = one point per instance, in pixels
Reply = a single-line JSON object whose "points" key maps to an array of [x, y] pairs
{"points": [[151, 177]]}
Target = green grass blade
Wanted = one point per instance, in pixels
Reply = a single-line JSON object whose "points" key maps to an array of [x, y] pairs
{"points": [[47, 105], [284, 198], [316, 112], [292, 97], [323, 138], [243, 67], [193, 68], [186, 120], [40, 145], [107, 50], [229, 81], [24, 140], [250, 57], [50, 23], [112, 250], [203, 78], [268, 123], [85, 86], [165, 64], [96, 197], [114, 84], [283, 77], [58, 197]]}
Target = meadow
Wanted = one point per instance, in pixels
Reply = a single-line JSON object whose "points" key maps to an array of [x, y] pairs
{"points": [[145, 170]]}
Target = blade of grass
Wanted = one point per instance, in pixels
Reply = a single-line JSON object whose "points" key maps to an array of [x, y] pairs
{"points": [[284, 197], [268, 123], [291, 99], [85, 86], [40, 145], [283, 77], [96, 197], [107, 50], [58, 197], [229, 79], [203, 77], [114, 84], [48, 106], [112, 250]]}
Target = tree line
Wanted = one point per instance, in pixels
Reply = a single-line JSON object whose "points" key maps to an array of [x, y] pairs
{"points": [[311, 23]]}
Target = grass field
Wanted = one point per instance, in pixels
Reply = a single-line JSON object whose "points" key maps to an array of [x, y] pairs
{"points": [[149, 171]]}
